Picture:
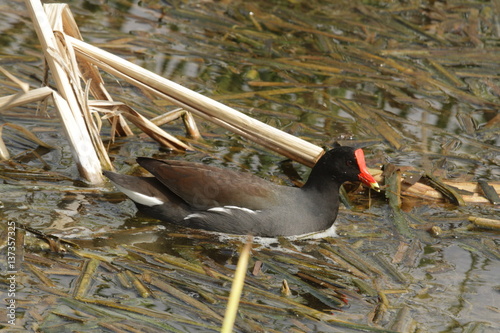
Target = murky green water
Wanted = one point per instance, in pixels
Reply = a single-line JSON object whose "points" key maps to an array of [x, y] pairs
{"points": [[385, 57]]}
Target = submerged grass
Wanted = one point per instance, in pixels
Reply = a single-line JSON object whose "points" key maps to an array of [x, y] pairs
{"points": [[417, 81], [197, 294]]}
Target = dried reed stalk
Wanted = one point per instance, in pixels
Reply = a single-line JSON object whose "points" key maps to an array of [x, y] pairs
{"points": [[70, 107], [62, 20], [207, 108], [68, 44]]}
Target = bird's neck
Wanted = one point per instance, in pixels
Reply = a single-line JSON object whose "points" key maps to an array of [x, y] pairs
{"points": [[324, 186], [323, 195], [321, 180]]}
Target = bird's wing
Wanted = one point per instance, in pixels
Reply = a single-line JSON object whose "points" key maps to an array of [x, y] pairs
{"points": [[203, 186]]}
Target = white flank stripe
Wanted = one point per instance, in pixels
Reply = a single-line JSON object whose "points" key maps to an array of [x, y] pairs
{"points": [[220, 210], [195, 215], [243, 209], [140, 198], [225, 210]]}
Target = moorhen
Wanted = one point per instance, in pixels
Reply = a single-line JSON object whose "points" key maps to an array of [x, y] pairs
{"points": [[200, 196]]}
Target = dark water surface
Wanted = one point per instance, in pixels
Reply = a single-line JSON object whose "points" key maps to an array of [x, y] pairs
{"points": [[426, 77]]}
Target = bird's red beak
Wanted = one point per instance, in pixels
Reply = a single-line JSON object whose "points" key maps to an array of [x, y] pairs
{"points": [[364, 176]]}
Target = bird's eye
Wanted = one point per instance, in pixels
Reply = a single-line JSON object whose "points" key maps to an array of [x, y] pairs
{"points": [[349, 162]]}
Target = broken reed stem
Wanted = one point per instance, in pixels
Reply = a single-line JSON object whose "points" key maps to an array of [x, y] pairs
{"points": [[11, 101], [85, 279], [70, 111], [62, 20], [270, 137], [485, 222], [237, 288]]}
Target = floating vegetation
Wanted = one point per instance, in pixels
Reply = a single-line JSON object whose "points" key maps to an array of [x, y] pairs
{"points": [[417, 83]]}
